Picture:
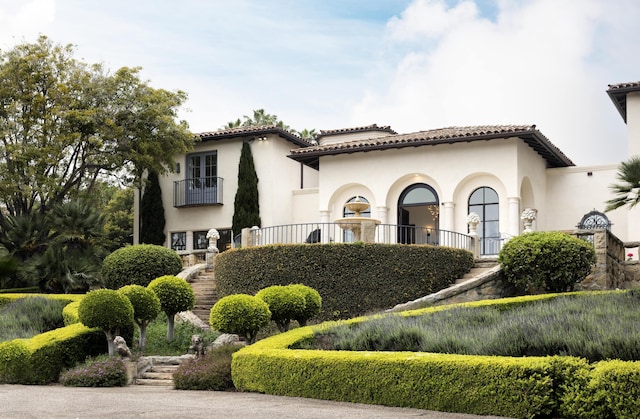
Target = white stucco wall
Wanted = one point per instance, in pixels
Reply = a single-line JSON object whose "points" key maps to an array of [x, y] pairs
{"points": [[575, 191], [206, 217], [453, 170]]}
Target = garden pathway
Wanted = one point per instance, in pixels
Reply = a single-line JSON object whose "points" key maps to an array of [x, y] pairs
{"points": [[34, 402]]}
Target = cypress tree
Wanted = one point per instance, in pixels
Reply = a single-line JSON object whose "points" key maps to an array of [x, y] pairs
{"points": [[152, 212], [246, 209]]}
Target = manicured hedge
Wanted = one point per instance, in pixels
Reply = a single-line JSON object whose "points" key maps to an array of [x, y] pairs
{"points": [[40, 360], [524, 387], [352, 278], [139, 264]]}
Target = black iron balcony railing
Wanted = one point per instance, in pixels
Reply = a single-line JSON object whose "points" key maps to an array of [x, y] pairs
{"points": [[197, 191]]}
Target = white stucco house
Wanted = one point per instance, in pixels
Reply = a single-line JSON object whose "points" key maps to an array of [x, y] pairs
{"points": [[427, 181]]}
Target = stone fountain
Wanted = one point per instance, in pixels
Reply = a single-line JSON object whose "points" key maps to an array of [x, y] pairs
{"points": [[363, 228]]}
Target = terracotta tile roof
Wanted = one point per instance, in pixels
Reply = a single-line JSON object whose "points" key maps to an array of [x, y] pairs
{"points": [[372, 127], [249, 131], [618, 94], [528, 133]]}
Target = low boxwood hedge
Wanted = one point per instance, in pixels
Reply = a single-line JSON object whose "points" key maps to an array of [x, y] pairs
{"points": [[352, 278], [514, 387], [40, 360]]}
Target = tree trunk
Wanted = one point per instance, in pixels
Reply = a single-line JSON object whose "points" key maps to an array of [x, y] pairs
{"points": [[143, 335], [170, 323], [110, 345]]}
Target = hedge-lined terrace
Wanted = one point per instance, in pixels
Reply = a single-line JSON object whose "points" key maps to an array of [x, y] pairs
{"points": [[519, 387], [352, 278]]}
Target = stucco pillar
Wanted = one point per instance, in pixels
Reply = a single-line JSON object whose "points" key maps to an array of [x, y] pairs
{"points": [[382, 233], [447, 218], [513, 227], [325, 229]]}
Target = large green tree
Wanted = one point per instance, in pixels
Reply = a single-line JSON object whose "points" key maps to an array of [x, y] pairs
{"points": [[152, 219], [246, 206], [65, 128], [627, 191], [65, 125]]}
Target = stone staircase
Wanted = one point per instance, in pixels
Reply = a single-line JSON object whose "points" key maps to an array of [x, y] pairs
{"points": [[158, 370], [204, 287], [479, 267]]}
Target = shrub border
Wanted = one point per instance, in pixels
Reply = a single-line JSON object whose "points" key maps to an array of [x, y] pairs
{"points": [[481, 385], [40, 359]]}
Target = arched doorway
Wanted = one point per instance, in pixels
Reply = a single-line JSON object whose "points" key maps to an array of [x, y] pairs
{"points": [[484, 201], [418, 215]]}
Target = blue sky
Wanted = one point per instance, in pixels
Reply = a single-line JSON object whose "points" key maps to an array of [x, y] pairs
{"points": [[411, 64]]}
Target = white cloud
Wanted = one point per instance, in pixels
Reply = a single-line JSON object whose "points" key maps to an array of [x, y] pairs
{"points": [[415, 65], [24, 19], [539, 62]]}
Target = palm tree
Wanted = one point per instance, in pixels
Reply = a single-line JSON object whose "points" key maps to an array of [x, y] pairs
{"points": [[309, 135], [628, 191]]}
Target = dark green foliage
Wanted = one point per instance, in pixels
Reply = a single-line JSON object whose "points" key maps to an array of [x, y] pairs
{"points": [[353, 279], [551, 261], [629, 179], [595, 327], [118, 225], [211, 372], [108, 310], [30, 316], [312, 306], [60, 251], [246, 206], [146, 307], [99, 372], [284, 303], [175, 295], [139, 264], [152, 212], [240, 314]]}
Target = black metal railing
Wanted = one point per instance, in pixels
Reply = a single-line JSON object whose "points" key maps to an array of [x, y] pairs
{"points": [[197, 191], [333, 233]]}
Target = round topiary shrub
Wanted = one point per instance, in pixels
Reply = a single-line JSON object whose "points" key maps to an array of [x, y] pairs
{"points": [[139, 264], [285, 304], [312, 306], [146, 307], [240, 314], [175, 295], [108, 310], [551, 261]]}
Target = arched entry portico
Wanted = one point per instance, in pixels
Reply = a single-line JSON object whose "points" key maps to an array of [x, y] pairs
{"points": [[418, 214]]}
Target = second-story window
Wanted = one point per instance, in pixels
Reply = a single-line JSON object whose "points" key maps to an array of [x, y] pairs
{"points": [[203, 169]]}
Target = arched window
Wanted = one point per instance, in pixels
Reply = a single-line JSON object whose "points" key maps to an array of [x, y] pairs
{"points": [[594, 220], [347, 236], [418, 215], [484, 201]]}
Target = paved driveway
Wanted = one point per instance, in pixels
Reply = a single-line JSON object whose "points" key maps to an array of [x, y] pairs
{"points": [[21, 402]]}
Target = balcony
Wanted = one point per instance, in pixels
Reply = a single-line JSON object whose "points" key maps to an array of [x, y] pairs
{"points": [[197, 192]]}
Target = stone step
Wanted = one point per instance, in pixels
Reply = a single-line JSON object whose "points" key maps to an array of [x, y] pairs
{"points": [[154, 382], [157, 375]]}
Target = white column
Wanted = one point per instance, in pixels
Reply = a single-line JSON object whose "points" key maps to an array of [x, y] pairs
{"points": [[382, 233], [325, 229], [447, 220], [513, 216], [383, 213]]}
